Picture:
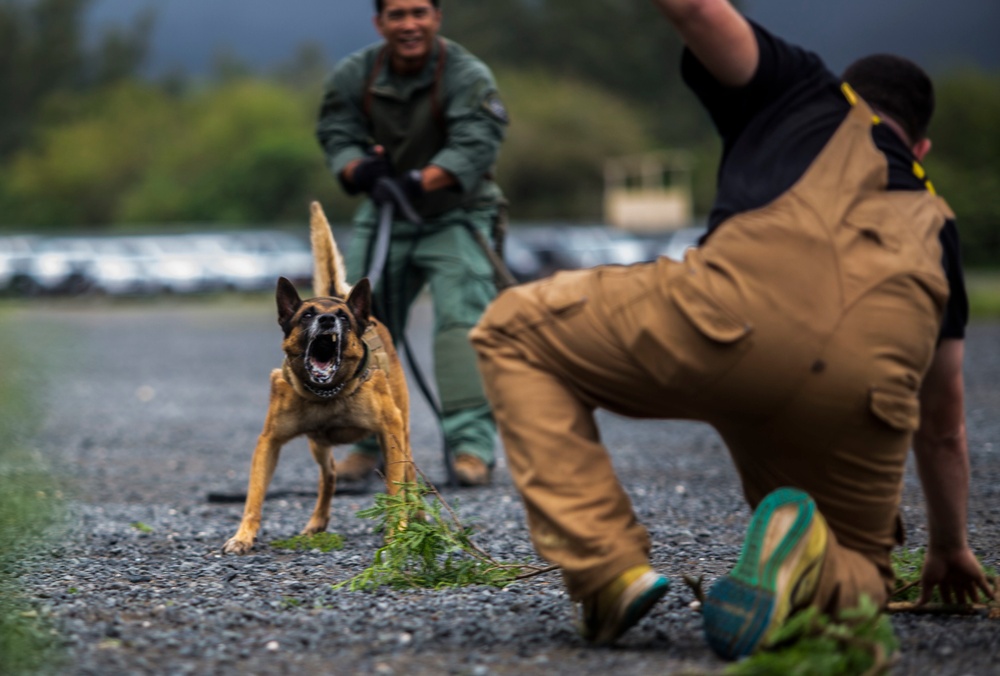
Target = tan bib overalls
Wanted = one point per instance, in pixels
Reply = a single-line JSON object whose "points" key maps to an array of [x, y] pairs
{"points": [[801, 331]]}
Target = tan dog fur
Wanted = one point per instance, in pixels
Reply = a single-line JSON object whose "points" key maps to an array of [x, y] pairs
{"points": [[360, 398]]}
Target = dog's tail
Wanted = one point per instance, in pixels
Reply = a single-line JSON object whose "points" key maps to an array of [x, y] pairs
{"points": [[329, 274]]}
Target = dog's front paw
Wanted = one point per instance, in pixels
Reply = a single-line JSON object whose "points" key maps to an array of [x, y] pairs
{"points": [[237, 546]]}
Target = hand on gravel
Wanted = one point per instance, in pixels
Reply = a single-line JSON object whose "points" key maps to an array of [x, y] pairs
{"points": [[957, 574]]}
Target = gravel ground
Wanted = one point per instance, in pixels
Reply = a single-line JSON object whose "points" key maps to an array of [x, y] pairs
{"points": [[149, 407]]}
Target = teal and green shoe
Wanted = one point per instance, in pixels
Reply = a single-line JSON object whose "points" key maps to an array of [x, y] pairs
{"points": [[777, 573], [620, 604]]}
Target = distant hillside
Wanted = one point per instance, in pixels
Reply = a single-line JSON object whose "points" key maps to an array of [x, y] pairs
{"points": [[263, 33]]}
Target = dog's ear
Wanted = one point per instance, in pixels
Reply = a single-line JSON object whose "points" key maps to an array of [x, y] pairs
{"points": [[360, 303], [288, 304]]}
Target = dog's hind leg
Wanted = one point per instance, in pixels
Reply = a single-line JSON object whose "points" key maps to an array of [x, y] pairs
{"points": [[327, 483]]}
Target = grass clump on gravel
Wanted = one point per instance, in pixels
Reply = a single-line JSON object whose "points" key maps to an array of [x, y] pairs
{"points": [[425, 548], [324, 542], [29, 503], [858, 641]]}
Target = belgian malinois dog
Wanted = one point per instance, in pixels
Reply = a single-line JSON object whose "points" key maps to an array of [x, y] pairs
{"points": [[341, 381]]}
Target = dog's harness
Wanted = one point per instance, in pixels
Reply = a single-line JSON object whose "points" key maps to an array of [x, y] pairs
{"points": [[374, 359]]}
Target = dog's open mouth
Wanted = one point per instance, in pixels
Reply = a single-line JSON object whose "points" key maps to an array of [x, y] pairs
{"points": [[323, 358]]}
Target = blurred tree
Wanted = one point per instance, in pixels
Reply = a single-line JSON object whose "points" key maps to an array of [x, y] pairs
{"points": [[306, 70], [78, 169], [246, 154], [626, 48], [43, 53], [561, 132], [240, 153], [963, 162]]}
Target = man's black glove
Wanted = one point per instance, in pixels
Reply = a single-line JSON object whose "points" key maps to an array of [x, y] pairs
{"points": [[366, 174], [400, 191], [409, 184]]}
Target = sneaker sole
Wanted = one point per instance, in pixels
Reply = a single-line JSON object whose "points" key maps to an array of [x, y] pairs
{"points": [[629, 610], [743, 607]]}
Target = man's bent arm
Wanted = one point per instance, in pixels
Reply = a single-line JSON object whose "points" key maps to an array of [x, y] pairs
{"points": [[341, 129], [718, 35], [943, 466]]}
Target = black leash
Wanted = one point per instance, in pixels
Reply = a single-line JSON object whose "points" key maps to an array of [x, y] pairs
{"points": [[379, 276]]}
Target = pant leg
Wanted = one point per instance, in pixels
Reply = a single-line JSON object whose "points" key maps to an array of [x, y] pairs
{"points": [[404, 282], [578, 514], [550, 352], [461, 285], [832, 416], [444, 255]]}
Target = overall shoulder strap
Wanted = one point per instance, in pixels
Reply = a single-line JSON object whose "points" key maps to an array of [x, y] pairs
{"points": [[366, 95], [436, 106]]}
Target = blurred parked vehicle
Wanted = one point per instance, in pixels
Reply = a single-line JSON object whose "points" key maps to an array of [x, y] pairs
{"points": [[60, 265], [575, 247], [281, 254], [172, 266], [15, 256], [228, 266], [120, 266], [251, 261]]}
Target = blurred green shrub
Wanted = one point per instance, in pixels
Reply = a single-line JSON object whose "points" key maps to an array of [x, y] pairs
{"points": [[964, 163], [240, 153], [552, 163]]}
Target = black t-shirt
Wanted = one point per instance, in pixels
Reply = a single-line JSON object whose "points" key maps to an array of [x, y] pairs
{"points": [[774, 127]]}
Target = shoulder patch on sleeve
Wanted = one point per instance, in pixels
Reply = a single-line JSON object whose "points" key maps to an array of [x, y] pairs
{"points": [[494, 106]]}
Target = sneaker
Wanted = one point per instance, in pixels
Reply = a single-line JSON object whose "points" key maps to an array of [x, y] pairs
{"points": [[620, 604], [355, 471], [471, 471], [777, 573]]}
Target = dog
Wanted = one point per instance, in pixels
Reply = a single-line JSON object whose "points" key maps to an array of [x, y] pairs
{"points": [[341, 381]]}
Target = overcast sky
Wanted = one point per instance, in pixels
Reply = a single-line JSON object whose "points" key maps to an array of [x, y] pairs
{"points": [[263, 33]]}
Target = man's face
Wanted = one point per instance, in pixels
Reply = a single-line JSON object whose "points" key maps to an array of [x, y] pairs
{"points": [[409, 28]]}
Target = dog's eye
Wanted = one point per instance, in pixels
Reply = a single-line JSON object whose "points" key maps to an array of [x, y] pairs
{"points": [[308, 314]]}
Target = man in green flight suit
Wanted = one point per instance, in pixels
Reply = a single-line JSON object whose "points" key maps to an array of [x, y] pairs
{"points": [[423, 112]]}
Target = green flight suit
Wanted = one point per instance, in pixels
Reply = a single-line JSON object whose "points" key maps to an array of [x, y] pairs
{"points": [[449, 115]]}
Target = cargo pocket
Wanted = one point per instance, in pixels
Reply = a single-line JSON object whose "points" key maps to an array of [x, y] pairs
{"points": [[527, 306], [706, 314], [899, 410]]}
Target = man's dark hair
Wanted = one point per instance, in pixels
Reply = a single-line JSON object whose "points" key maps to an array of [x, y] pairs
{"points": [[380, 5], [896, 87]]}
